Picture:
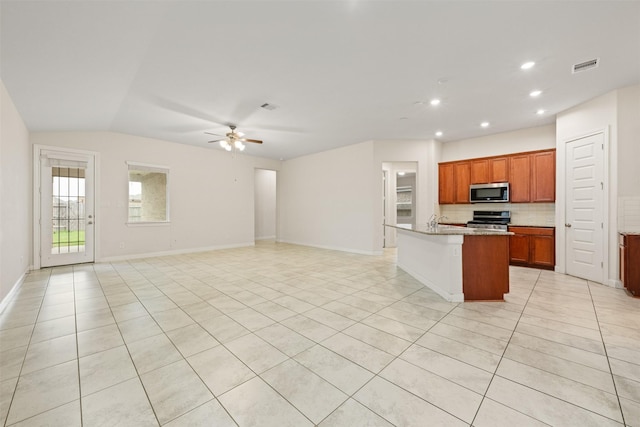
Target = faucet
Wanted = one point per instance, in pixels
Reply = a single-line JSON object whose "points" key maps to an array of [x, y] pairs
{"points": [[434, 220]]}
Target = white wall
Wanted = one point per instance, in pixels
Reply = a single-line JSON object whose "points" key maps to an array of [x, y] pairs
{"points": [[629, 141], [529, 139], [265, 204], [628, 159], [596, 115], [210, 193], [15, 195], [326, 199]]}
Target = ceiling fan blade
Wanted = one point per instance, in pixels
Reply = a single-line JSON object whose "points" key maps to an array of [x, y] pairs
{"points": [[214, 134], [255, 141], [215, 140]]}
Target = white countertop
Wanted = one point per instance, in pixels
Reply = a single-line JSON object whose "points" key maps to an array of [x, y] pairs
{"points": [[449, 230]]}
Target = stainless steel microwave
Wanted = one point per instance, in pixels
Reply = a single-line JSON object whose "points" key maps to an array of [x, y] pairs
{"points": [[489, 193]]}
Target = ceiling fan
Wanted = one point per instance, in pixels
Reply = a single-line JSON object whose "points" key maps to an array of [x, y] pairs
{"points": [[233, 140]]}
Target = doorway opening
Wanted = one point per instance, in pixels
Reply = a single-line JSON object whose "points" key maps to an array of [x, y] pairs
{"points": [[400, 196], [265, 204]]}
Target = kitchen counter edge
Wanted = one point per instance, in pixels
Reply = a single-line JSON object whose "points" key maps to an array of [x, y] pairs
{"points": [[449, 230]]}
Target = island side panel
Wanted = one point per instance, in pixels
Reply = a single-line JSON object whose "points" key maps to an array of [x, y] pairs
{"points": [[435, 260], [485, 267]]}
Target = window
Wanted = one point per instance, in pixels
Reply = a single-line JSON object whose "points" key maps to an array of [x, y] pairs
{"points": [[148, 193]]}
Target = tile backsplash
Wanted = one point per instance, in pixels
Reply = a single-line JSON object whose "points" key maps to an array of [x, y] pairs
{"points": [[533, 214], [629, 214]]}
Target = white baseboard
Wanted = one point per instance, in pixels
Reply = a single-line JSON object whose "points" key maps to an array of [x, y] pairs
{"points": [[615, 283], [14, 289], [174, 252], [333, 248]]}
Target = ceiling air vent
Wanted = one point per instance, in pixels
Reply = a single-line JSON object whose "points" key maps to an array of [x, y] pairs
{"points": [[268, 106], [584, 66]]}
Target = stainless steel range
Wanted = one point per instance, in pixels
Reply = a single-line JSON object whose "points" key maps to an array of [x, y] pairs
{"points": [[494, 220]]}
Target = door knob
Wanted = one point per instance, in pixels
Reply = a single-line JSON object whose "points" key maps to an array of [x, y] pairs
{"points": [[567, 225], [90, 222]]}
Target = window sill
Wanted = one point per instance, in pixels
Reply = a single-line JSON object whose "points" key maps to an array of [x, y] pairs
{"points": [[149, 224]]}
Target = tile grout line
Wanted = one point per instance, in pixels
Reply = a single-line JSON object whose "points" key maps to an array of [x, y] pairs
{"points": [[604, 345], [15, 390], [124, 343], [555, 397], [377, 374], [484, 395], [75, 317]]}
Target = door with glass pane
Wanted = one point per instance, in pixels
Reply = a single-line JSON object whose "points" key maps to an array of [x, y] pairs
{"points": [[66, 208]]}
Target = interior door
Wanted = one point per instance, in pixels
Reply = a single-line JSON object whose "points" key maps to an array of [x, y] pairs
{"points": [[66, 208], [584, 222]]}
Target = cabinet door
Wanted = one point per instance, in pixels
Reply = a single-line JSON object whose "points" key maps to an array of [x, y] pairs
{"points": [[542, 251], [543, 176], [519, 249], [479, 171], [520, 178], [445, 183], [499, 169], [632, 264], [462, 178]]}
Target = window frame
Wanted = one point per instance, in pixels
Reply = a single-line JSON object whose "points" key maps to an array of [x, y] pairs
{"points": [[139, 166]]}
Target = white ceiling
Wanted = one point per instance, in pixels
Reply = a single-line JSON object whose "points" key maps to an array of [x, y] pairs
{"points": [[340, 72]]}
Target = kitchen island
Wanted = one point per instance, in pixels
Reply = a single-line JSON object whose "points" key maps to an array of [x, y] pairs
{"points": [[459, 263]]}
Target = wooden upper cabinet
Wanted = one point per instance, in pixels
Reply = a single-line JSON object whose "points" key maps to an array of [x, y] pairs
{"points": [[445, 184], [498, 169], [531, 176], [520, 178], [543, 176], [479, 171], [462, 178]]}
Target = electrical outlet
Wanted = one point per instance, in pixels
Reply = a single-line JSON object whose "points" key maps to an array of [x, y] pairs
{"points": [[121, 245]]}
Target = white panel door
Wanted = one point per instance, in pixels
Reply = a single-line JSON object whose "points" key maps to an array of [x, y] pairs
{"points": [[66, 208], [584, 220]]}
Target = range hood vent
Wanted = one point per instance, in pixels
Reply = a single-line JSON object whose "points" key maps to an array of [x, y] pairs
{"points": [[584, 66]]}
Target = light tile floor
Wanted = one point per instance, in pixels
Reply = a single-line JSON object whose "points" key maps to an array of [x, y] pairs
{"points": [[284, 335]]}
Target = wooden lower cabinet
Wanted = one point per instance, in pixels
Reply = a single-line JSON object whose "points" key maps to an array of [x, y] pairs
{"points": [[630, 263], [532, 247]]}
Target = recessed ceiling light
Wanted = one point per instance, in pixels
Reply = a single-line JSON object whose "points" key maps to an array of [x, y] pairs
{"points": [[484, 124], [419, 103], [540, 112], [527, 65], [535, 93], [401, 173], [439, 133], [434, 101]]}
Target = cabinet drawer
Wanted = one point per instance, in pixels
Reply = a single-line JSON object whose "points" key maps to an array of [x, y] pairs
{"points": [[533, 231]]}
